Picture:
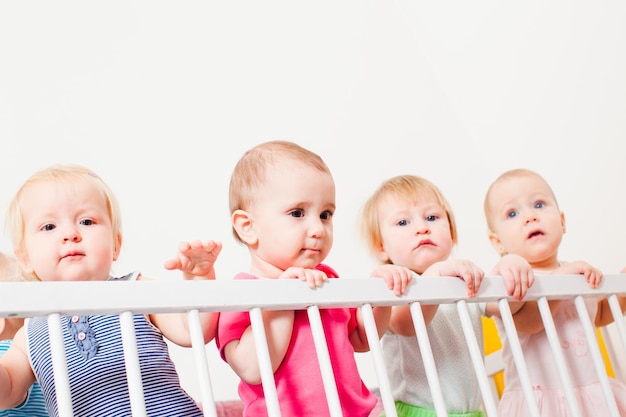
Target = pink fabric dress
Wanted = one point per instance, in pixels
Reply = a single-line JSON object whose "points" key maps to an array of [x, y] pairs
{"points": [[298, 379], [543, 373]]}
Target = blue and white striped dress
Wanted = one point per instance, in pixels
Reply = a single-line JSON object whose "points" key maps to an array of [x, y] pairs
{"points": [[97, 374]]}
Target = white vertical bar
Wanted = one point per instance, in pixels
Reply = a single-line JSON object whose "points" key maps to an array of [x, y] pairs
{"points": [[427, 357], [493, 365], [328, 378], [59, 366], [131, 359], [518, 356], [202, 366], [379, 362], [555, 345], [618, 319], [478, 359], [265, 364], [596, 356]]}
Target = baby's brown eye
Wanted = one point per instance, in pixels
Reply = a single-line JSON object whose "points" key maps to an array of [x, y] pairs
{"points": [[297, 213]]}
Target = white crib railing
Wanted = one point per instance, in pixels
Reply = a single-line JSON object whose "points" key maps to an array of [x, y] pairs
{"points": [[84, 298]]}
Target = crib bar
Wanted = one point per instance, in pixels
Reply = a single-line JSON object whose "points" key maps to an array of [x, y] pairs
{"points": [[518, 357], [168, 296], [596, 356], [478, 359], [493, 366], [326, 369], [202, 366], [59, 362], [555, 346], [618, 319], [427, 357], [265, 363], [379, 361], [131, 359]]}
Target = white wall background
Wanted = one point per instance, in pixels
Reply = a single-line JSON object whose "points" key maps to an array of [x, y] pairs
{"points": [[162, 98]]}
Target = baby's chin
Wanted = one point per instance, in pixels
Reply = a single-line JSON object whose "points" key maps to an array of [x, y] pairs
{"points": [[76, 274]]}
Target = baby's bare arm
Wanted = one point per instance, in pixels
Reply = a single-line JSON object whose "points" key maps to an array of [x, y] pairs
{"points": [[241, 354], [196, 260], [396, 278], [16, 375], [604, 315]]}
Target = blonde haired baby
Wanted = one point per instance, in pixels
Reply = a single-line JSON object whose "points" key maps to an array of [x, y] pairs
{"points": [[408, 224], [66, 226]]}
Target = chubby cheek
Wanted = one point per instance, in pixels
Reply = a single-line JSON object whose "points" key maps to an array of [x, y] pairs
{"points": [[395, 252], [329, 239]]}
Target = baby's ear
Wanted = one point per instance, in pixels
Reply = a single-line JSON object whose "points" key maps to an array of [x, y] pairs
{"points": [[497, 244], [243, 223], [24, 261], [382, 255], [118, 247]]}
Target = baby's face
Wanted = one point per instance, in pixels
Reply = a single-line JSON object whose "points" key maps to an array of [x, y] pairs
{"points": [[67, 232], [292, 218], [525, 218], [414, 234]]}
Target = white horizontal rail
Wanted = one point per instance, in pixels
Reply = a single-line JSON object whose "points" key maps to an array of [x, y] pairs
{"points": [[55, 299], [29, 299]]}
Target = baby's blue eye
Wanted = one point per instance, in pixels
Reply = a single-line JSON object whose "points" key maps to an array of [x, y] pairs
{"points": [[402, 223], [86, 222], [539, 204], [511, 214], [48, 227], [431, 218]]}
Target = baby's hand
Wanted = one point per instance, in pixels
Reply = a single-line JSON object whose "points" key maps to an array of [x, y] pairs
{"points": [[312, 277], [517, 273], [592, 275], [195, 259], [396, 277], [468, 271]]}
